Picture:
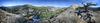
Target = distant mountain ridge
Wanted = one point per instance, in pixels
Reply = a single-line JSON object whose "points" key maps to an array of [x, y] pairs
{"points": [[94, 9]]}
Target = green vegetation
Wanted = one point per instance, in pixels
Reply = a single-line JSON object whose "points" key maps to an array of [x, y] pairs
{"points": [[44, 12], [86, 6]]}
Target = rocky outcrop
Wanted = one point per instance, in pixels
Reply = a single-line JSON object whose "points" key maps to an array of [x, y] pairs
{"points": [[6, 17], [66, 17], [2, 17], [70, 17]]}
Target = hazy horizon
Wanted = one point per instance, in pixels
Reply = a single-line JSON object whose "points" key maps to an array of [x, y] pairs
{"points": [[55, 3]]}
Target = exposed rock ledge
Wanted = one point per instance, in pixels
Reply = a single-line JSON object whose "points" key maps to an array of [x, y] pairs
{"points": [[6, 17]]}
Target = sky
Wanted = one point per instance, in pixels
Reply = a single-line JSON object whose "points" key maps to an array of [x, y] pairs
{"points": [[55, 3]]}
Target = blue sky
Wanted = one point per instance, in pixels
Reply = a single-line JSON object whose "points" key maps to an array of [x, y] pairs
{"points": [[56, 3]]}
